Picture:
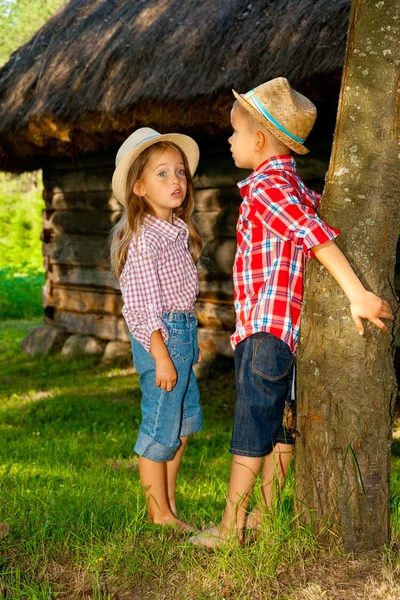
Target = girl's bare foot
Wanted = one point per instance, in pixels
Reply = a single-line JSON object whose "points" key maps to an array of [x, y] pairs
{"points": [[172, 520], [216, 537], [254, 519]]}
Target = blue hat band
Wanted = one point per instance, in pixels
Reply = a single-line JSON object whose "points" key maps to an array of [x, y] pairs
{"points": [[254, 101]]}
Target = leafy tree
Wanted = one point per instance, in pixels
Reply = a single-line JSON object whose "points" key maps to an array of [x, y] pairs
{"points": [[21, 207], [20, 19], [21, 271]]}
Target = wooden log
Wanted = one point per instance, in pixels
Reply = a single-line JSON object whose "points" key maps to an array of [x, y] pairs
{"points": [[215, 342], [218, 199], [100, 200], [216, 290], [218, 173], [218, 255], [105, 327], [81, 222], [217, 224], [220, 316], [71, 249], [47, 298], [85, 301], [79, 180], [82, 275], [81, 161]]}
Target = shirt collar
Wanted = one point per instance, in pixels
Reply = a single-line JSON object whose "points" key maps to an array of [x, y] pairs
{"points": [[283, 162], [170, 230]]}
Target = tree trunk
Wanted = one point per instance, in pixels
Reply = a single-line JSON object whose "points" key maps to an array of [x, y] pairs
{"points": [[346, 383]]}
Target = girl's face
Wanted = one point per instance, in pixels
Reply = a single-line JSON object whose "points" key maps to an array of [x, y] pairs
{"points": [[163, 183]]}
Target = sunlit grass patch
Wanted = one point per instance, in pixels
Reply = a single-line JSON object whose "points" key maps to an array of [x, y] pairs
{"points": [[71, 495]]}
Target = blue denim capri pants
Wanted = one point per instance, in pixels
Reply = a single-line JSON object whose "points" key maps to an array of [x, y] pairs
{"points": [[264, 374], [168, 416]]}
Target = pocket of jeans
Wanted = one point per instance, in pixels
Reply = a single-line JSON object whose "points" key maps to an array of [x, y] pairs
{"points": [[180, 345], [181, 336], [272, 358]]}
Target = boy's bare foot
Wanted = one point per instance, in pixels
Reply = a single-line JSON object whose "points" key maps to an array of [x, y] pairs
{"points": [[174, 521], [254, 519], [215, 537]]}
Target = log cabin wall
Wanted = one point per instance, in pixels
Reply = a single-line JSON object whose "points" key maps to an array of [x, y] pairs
{"points": [[80, 295]]}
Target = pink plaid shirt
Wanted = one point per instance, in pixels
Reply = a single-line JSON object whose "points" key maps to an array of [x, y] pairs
{"points": [[159, 276], [277, 227]]}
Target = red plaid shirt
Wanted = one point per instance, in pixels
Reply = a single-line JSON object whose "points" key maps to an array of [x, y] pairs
{"points": [[159, 276], [278, 225]]}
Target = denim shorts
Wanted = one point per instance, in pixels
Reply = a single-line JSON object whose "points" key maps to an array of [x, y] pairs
{"points": [[168, 416], [264, 374]]}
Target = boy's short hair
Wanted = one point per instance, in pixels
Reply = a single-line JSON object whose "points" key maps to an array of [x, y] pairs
{"points": [[254, 125]]}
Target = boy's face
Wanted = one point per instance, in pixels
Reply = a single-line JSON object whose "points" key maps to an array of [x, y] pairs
{"points": [[243, 140]]}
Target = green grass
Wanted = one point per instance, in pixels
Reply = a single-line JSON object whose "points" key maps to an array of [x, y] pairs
{"points": [[71, 495]]}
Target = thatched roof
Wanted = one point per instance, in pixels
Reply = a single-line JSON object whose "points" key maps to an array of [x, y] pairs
{"points": [[98, 69]]}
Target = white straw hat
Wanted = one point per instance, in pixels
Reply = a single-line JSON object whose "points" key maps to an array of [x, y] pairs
{"points": [[285, 113], [134, 145]]}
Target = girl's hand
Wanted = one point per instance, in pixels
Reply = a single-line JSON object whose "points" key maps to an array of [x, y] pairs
{"points": [[371, 307], [166, 376], [200, 357]]}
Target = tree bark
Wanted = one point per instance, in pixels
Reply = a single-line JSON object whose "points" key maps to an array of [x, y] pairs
{"points": [[346, 383]]}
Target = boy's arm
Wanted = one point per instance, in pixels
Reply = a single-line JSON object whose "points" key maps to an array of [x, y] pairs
{"points": [[363, 304]]}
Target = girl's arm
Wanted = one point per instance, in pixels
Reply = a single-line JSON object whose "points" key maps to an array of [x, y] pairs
{"points": [[166, 376], [363, 304]]}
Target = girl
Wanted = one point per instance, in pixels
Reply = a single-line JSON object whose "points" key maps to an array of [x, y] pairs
{"points": [[159, 284]]}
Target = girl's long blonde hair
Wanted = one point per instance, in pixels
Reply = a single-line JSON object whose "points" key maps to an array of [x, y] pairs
{"points": [[133, 214]]}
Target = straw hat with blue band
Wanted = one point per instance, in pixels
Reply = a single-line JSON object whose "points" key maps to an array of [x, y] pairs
{"points": [[285, 113], [134, 145]]}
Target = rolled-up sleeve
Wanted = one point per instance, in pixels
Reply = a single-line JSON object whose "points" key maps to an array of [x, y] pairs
{"points": [[141, 294], [283, 214]]}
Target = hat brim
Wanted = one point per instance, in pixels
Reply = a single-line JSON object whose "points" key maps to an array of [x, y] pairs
{"points": [[184, 142], [292, 144]]}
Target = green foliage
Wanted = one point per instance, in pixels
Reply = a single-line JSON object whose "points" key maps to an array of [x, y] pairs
{"points": [[20, 294], [21, 207], [20, 19], [70, 492], [21, 271]]}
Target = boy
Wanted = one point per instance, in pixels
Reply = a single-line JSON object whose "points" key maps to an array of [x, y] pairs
{"points": [[278, 227]]}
